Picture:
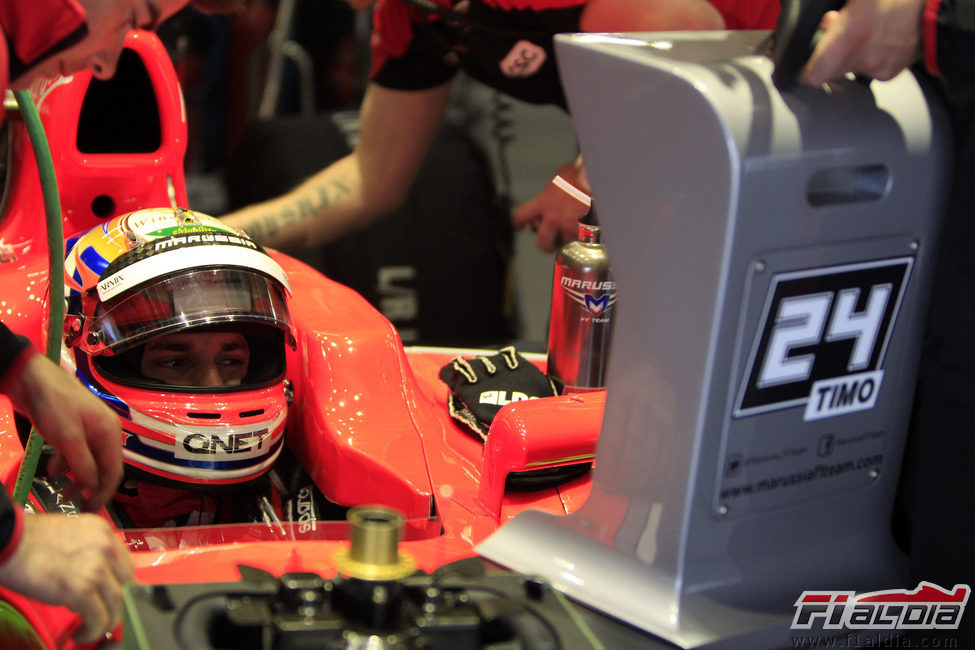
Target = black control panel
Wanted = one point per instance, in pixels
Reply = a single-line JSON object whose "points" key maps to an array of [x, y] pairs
{"points": [[461, 606]]}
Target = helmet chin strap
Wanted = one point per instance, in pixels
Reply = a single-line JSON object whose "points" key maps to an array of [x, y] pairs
{"points": [[55, 247]]}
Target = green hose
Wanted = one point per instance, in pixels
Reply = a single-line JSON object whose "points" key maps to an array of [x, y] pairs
{"points": [[55, 247]]}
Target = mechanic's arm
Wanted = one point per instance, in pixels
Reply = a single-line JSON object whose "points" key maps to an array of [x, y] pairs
{"points": [[554, 213], [85, 433], [72, 561], [649, 16], [878, 38], [396, 128]]}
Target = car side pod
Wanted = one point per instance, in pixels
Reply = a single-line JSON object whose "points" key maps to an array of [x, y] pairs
{"points": [[539, 435]]}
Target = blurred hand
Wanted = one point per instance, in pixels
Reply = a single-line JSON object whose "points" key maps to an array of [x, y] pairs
{"points": [[85, 433], [878, 38], [72, 561], [554, 213]]}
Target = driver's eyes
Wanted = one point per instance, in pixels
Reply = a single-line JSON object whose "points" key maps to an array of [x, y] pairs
{"points": [[170, 362]]}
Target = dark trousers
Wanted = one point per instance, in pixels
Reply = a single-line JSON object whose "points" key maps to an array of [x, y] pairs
{"points": [[938, 479]]}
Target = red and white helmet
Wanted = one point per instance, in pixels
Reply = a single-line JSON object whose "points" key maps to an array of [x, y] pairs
{"points": [[166, 271]]}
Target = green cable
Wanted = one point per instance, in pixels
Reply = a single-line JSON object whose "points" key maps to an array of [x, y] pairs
{"points": [[577, 619], [55, 247]]}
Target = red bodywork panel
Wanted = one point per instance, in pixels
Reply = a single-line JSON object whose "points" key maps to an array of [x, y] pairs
{"points": [[369, 421]]}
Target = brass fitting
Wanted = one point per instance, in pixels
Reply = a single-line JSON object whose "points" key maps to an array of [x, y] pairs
{"points": [[373, 553]]}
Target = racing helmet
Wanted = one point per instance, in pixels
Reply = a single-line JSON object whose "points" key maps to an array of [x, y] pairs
{"points": [[166, 272]]}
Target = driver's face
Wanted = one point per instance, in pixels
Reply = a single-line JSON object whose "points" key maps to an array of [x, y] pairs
{"points": [[197, 359]]}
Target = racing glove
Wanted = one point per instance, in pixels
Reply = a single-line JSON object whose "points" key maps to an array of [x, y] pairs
{"points": [[479, 387]]}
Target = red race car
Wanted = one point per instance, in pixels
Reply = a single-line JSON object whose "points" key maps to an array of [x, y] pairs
{"points": [[362, 419]]}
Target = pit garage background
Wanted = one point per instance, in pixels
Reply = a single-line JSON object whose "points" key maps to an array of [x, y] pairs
{"points": [[293, 59]]}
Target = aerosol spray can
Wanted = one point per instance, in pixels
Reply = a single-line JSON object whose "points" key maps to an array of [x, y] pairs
{"points": [[583, 309]]}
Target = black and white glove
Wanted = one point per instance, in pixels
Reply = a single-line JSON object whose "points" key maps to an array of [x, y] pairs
{"points": [[479, 387]]}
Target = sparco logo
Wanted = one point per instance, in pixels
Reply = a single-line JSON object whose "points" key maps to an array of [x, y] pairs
{"points": [[929, 607], [822, 339], [305, 507]]}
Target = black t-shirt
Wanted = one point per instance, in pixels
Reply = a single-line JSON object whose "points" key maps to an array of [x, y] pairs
{"points": [[507, 48]]}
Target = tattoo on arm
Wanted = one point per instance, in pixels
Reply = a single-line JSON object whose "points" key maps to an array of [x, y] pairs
{"points": [[327, 195], [269, 224]]}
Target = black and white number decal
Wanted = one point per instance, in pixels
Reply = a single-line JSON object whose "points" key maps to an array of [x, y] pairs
{"points": [[822, 339]]}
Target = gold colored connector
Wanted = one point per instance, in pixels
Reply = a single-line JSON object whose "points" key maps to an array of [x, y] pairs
{"points": [[373, 553]]}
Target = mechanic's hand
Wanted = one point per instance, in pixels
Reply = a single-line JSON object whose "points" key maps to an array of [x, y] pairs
{"points": [[877, 38], [554, 213], [480, 386], [72, 561], [85, 433]]}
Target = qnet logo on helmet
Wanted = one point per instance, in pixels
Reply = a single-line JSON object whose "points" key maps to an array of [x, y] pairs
{"points": [[928, 607], [822, 339]]}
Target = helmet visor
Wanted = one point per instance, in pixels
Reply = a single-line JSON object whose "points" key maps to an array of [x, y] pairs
{"points": [[190, 299]]}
